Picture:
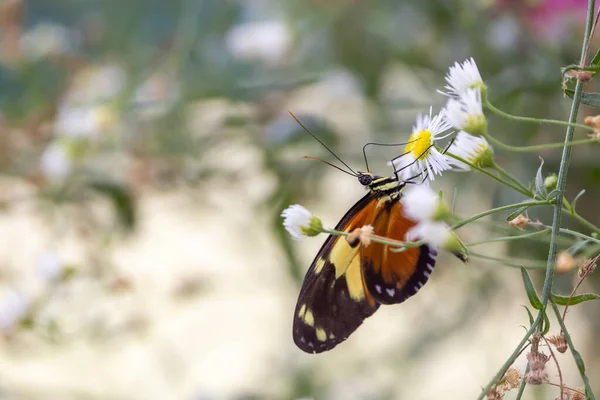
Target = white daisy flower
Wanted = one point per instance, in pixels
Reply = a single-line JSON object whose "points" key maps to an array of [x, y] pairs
{"points": [[419, 202], [436, 234], [474, 149], [55, 162], [463, 76], [13, 308], [299, 222], [49, 266], [421, 156], [466, 112]]}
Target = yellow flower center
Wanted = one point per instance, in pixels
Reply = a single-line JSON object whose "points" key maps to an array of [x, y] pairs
{"points": [[420, 144]]}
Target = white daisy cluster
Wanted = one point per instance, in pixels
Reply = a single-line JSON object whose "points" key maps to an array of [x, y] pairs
{"points": [[422, 205], [422, 158]]}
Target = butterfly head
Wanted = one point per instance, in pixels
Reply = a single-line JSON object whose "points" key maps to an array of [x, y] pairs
{"points": [[365, 178]]}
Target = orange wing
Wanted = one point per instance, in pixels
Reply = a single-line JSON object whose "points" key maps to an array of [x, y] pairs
{"points": [[392, 277], [345, 284]]}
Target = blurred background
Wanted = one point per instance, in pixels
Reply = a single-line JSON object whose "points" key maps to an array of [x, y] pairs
{"points": [[146, 152]]}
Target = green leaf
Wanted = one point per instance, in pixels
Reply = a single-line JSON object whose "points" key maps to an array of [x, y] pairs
{"points": [[596, 60], [515, 214], [575, 200], [530, 289], [564, 300], [531, 320], [591, 99], [540, 188], [546, 324]]}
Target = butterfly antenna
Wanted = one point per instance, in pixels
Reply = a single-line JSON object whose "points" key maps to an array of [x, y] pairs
{"points": [[323, 144], [330, 164], [412, 163], [380, 144]]}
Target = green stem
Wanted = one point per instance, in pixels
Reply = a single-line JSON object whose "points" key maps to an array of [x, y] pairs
{"points": [[562, 178], [499, 209], [508, 238], [582, 220], [506, 174], [511, 359], [482, 170], [540, 121], [508, 263], [578, 360], [562, 174], [579, 235], [378, 239], [537, 147]]}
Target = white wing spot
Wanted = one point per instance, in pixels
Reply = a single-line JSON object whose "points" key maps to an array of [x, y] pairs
{"points": [[390, 292], [311, 345], [302, 339], [426, 274], [378, 288], [430, 267], [420, 284]]}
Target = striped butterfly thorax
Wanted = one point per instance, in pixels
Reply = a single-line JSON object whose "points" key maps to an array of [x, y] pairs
{"points": [[347, 282]]}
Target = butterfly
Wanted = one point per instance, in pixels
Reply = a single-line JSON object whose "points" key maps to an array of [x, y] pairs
{"points": [[347, 282]]}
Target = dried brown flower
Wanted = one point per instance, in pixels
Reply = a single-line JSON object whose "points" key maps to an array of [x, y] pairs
{"points": [[594, 122], [519, 222], [559, 342], [587, 267], [537, 373], [495, 393], [360, 235], [366, 233], [512, 379], [353, 237], [578, 394], [564, 262]]}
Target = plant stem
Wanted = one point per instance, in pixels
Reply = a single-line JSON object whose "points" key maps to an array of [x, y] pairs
{"points": [[579, 235], [538, 147], [506, 174], [540, 121], [578, 360], [482, 170], [511, 359], [563, 170], [508, 263], [582, 220], [499, 209], [508, 238]]}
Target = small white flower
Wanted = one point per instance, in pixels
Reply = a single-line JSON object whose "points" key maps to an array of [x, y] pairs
{"points": [[267, 41], [421, 156], [81, 122], [419, 202], [46, 39], [466, 112], [435, 234], [297, 221], [49, 266], [13, 308], [474, 149], [463, 76], [55, 162]]}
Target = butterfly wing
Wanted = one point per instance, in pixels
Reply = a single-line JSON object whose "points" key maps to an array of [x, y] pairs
{"points": [[392, 277], [334, 300]]}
